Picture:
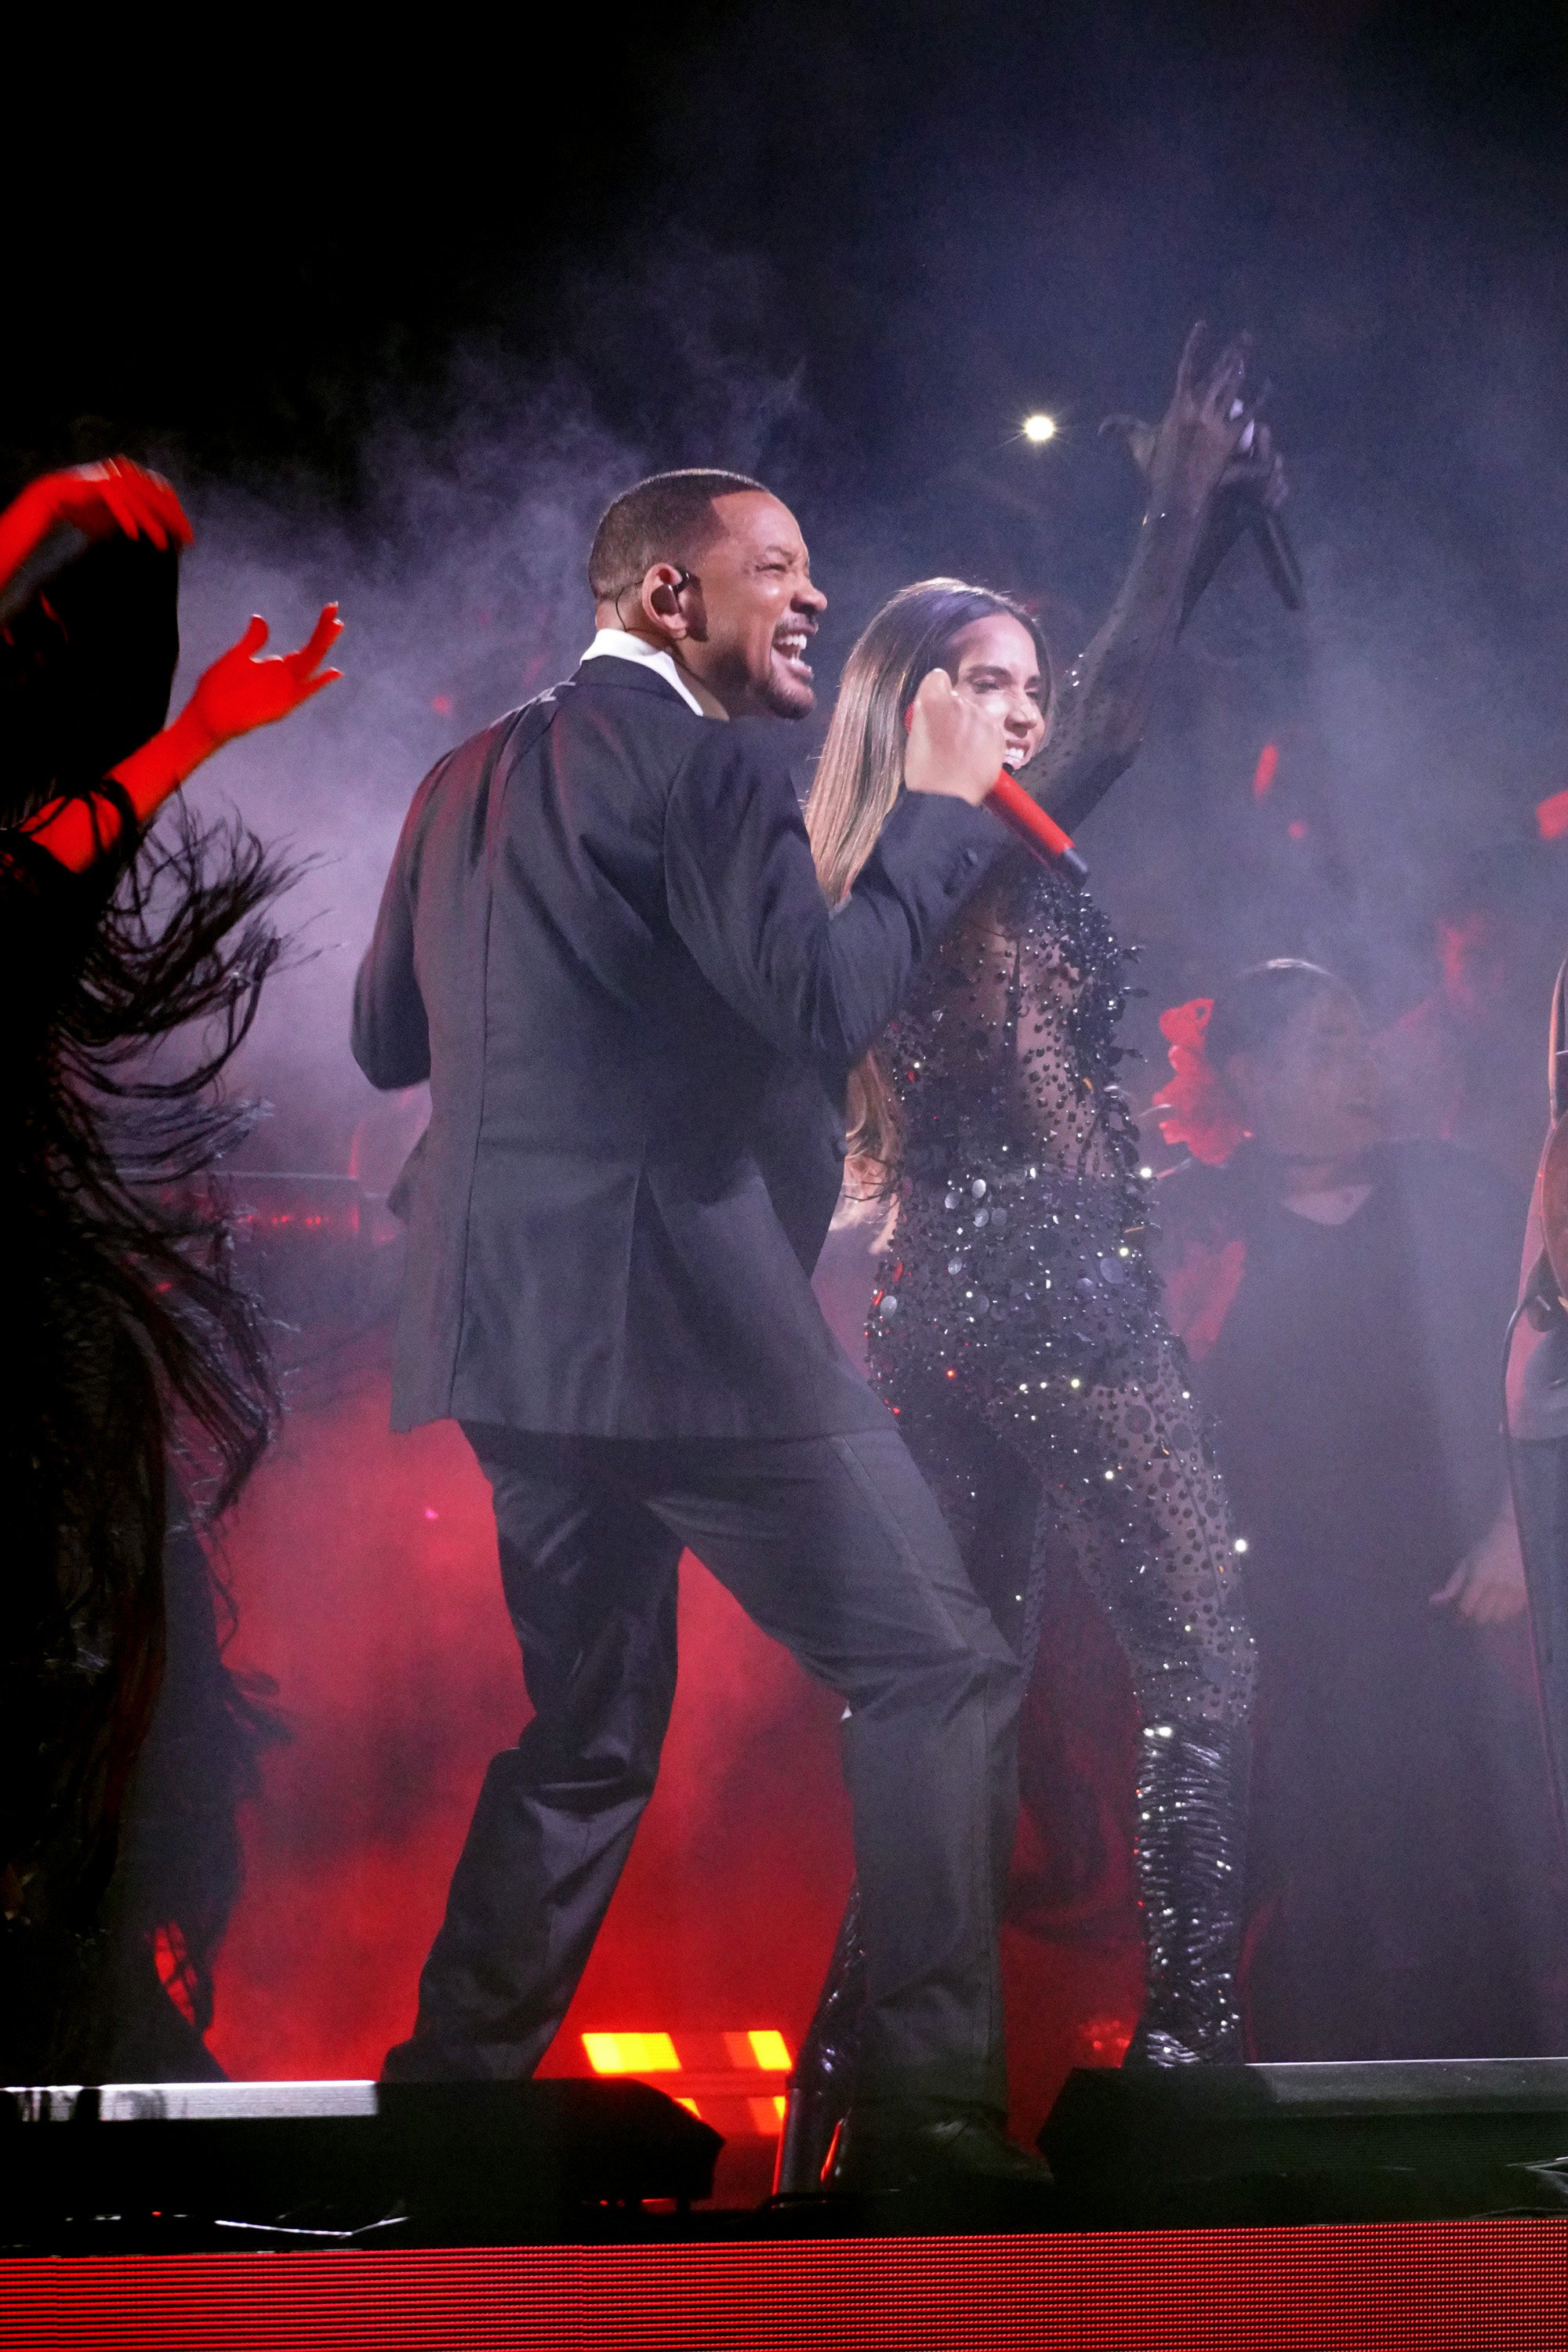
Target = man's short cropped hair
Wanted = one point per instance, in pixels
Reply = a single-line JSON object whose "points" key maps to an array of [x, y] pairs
{"points": [[669, 519]]}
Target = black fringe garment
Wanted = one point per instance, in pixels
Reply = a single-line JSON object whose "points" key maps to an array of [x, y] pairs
{"points": [[131, 1349]]}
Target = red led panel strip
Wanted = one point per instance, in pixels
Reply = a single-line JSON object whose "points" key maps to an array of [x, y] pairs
{"points": [[1442, 2287]]}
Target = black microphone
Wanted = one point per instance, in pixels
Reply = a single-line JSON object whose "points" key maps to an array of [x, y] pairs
{"points": [[1234, 511], [1273, 543]]}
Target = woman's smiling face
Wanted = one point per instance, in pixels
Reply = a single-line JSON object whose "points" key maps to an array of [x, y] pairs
{"points": [[995, 662]]}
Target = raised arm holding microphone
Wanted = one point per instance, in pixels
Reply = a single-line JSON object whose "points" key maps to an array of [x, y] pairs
{"points": [[603, 940]]}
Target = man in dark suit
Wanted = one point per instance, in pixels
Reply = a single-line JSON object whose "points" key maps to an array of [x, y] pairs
{"points": [[603, 942]]}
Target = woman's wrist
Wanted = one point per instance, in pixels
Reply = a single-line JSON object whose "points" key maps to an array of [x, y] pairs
{"points": [[1176, 509], [191, 740], [158, 768]]}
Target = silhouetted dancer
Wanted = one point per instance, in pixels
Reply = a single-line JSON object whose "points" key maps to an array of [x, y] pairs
{"points": [[129, 1337]]}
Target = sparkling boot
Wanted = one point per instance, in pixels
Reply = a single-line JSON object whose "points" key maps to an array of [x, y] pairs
{"points": [[1192, 1812]]}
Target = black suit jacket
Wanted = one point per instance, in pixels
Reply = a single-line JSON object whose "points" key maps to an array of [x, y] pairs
{"points": [[603, 942]]}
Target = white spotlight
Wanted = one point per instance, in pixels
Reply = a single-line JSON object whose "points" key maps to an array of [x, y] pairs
{"points": [[1040, 427]]}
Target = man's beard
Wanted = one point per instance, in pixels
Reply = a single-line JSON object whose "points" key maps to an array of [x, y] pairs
{"points": [[799, 702], [788, 697]]}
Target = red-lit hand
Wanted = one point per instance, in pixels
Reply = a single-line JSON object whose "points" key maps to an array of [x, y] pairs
{"points": [[239, 693], [114, 495], [96, 500]]}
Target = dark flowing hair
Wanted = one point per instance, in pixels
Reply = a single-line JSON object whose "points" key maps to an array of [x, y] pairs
{"points": [[859, 777], [142, 1349]]}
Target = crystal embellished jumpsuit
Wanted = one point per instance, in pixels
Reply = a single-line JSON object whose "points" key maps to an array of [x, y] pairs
{"points": [[1019, 1330]]}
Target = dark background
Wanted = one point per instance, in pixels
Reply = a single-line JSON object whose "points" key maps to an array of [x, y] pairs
{"points": [[351, 288], [947, 212]]}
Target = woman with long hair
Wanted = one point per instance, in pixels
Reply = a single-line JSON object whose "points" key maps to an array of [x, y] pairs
{"points": [[143, 1393], [1018, 1334]]}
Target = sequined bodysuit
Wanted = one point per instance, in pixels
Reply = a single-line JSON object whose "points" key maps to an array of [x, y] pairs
{"points": [[1019, 1305], [1018, 1289]]}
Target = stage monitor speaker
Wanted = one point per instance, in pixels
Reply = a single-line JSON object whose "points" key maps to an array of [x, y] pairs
{"points": [[192, 2164], [1392, 2139]]}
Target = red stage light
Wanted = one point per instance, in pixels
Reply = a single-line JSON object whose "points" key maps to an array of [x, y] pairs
{"points": [[1263, 775]]}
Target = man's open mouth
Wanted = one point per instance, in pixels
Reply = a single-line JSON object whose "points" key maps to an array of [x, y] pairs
{"points": [[790, 644]]}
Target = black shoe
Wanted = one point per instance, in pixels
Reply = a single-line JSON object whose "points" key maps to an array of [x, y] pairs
{"points": [[887, 2148]]}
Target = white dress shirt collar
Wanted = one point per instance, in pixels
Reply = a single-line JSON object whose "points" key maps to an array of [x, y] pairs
{"points": [[623, 646]]}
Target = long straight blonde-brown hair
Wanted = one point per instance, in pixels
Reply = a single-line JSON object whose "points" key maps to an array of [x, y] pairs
{"points": [[859, 778]]}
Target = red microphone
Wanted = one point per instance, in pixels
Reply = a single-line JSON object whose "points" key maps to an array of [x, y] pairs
{"points": [[1027, 821], [1037, 831]]}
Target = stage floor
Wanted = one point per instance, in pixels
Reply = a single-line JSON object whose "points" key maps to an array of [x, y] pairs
{"points": [[1376, 2207]]}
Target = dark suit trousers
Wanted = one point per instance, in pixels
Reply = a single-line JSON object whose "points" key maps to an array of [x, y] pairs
{"points": [[833, 1545]]}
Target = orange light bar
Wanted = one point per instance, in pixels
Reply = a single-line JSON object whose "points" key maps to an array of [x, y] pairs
{"points": [[712, 2061], [631, 2054], [762, 2048]]}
